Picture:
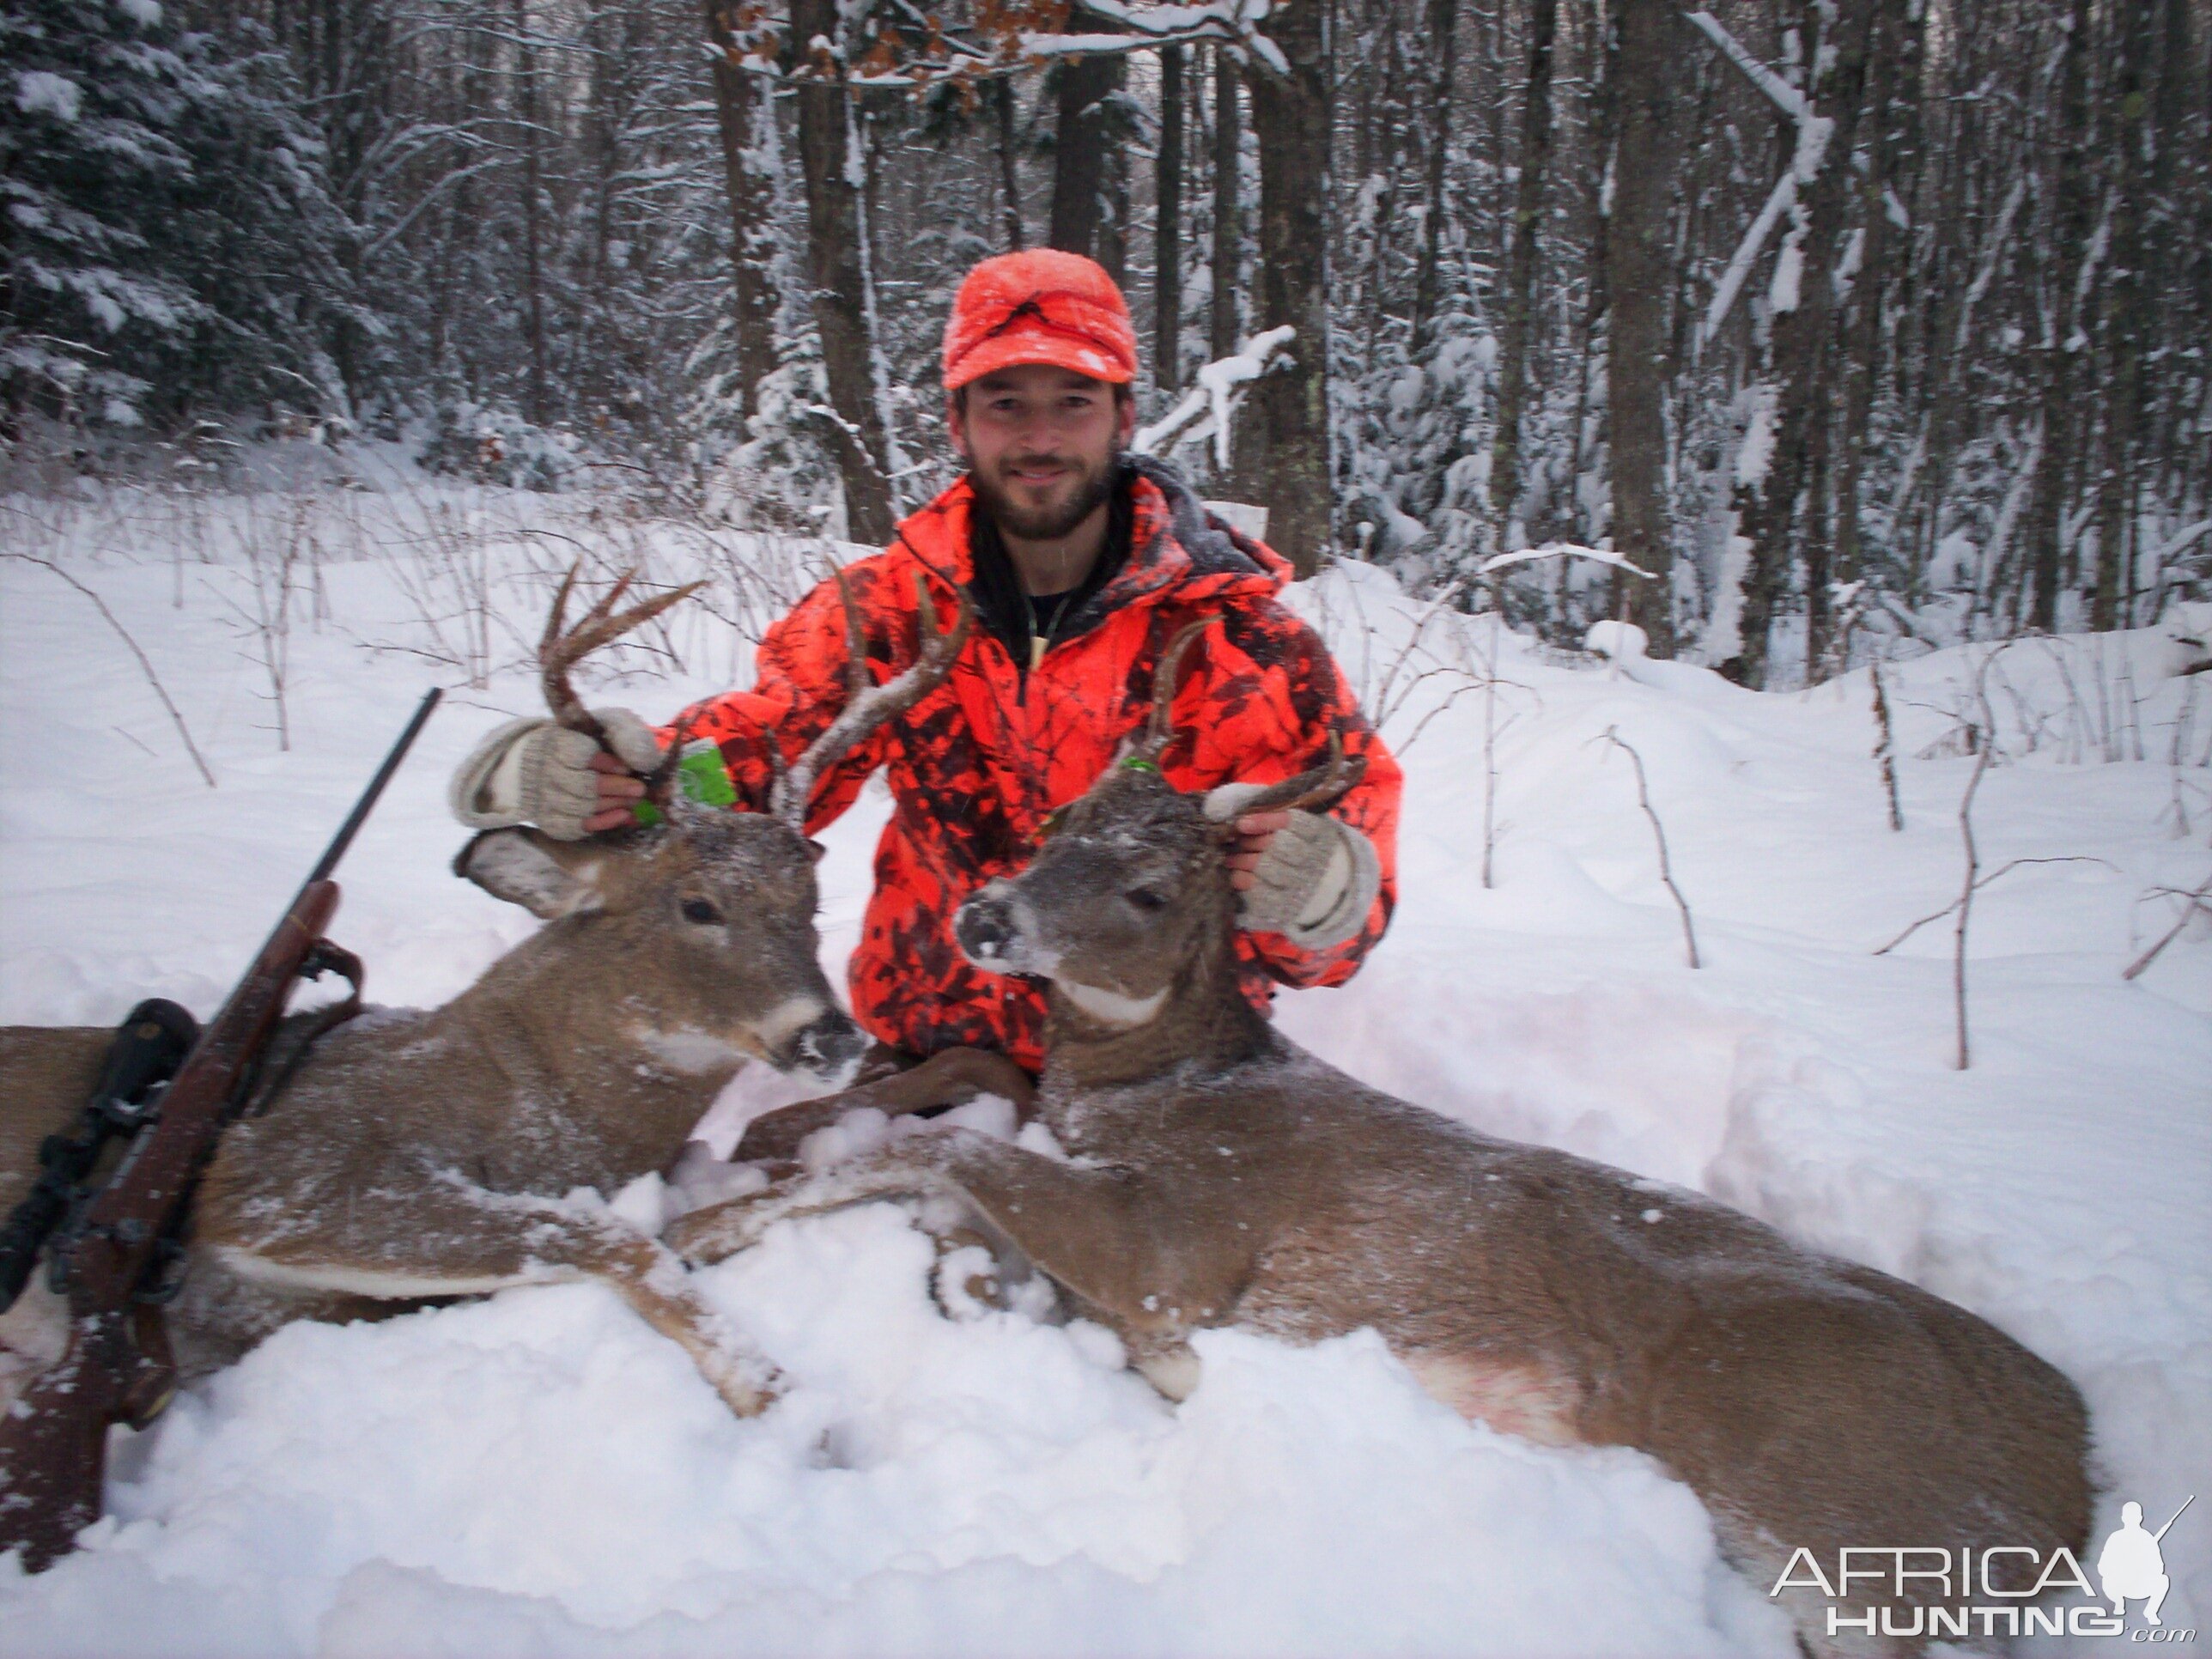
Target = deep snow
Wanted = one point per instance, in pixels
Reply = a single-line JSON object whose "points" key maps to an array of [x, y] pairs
{"points": [[540, 1473]]}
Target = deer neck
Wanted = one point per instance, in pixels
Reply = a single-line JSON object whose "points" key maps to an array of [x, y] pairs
{"points": [[1202, 1023], [558, 1026]]}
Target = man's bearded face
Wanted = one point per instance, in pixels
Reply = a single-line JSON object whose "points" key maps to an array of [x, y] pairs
{"points": [[1039, 444]]}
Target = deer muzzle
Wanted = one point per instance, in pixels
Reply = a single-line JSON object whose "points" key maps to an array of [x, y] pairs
{"points": [[997, 932], [829, 1047]]}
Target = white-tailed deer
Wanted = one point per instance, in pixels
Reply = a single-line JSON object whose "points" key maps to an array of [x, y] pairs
{"points": [[417, 1155], [1222, 1176]]}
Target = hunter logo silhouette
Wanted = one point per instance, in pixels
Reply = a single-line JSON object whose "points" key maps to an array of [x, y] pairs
{"points": [[2131, 1567]]}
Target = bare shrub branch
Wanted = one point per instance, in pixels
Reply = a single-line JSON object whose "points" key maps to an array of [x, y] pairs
{"points": [[1659, 833], [124, 633], [2197, 902]]}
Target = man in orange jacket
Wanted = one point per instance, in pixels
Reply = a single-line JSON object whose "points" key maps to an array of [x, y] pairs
{"points": [[1081, 561]]}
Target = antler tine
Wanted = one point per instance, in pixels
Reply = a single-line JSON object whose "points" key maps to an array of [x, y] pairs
{"points": [[1160, 732], [660, 783], [1318, 787], [856, 644], [559, 651], [871, 705]]}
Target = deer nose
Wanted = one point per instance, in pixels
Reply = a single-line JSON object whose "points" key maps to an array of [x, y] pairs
{"points": [[829, 1047], [985, 928]]}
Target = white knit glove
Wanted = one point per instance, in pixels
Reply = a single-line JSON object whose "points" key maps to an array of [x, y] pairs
{"points": [[1315, 883], [532, 771]]}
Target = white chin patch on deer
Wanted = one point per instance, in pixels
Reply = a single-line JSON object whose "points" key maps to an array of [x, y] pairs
{"points": [[1111, 1007], [687, 1051]]}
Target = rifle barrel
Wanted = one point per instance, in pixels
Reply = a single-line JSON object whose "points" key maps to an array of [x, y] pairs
{"points": [[362, 808]]}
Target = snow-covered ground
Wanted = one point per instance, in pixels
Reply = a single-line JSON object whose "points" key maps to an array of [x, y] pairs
{"points": [[540, 1473]]}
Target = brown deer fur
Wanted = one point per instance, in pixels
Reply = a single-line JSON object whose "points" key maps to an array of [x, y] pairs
{"points": [[1225, 1176]]}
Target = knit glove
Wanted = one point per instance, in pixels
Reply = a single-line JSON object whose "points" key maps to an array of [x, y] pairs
{"points": [[532, 771], [1315, 883]]}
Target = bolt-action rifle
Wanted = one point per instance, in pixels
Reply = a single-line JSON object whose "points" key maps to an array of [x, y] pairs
{"points": [[110, 1252]]}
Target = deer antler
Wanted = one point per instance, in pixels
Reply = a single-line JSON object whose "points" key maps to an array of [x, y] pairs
{"points": [[1159, 732], [1315, 788], [559, 652], [867, 705]]}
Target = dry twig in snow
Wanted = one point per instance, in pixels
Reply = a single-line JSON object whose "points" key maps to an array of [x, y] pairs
{"points": [[2003, 870], [2197, 902], [1659, 833], [124, 633]]}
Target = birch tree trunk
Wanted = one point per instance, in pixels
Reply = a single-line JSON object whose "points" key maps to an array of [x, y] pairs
{"points": [[833, 258]]}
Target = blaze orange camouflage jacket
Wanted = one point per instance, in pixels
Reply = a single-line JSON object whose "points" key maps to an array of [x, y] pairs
{"points": [[976, 766]]}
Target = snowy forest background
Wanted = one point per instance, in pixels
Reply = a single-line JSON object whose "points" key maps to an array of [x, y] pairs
{"points": [[1856, 322]]}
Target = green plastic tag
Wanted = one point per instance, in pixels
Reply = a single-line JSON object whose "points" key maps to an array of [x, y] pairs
{"points": [[701, 776]]}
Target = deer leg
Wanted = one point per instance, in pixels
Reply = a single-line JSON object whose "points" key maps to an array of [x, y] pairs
{"points": [[949, 1078], [457, 1239], [1104, 1234]]}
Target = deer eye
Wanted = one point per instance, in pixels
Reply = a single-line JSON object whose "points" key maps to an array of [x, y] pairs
{"points": [[1145, 899], [699, 910]]}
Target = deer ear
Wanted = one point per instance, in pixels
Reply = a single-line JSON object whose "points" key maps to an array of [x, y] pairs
{"points": [[548, 878]]}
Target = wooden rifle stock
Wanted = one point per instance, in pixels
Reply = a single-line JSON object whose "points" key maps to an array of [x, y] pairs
{"points": [[117, 1369]]}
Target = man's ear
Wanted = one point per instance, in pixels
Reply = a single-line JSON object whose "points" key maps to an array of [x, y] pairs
{"points": [[1124, 412], [956, 422], [548, 878]]}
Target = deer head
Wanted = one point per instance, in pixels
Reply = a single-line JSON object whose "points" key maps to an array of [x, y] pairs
{"points": [[1128, 895], [698, 932], [696, 936]]}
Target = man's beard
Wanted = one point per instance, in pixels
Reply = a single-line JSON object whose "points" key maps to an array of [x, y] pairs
{"points": [[1049, 523]]}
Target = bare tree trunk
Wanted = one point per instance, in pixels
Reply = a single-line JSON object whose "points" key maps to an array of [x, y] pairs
{"points": [[1113, 179], [1648, 51], [1786, 517], [1444, 35], [1521, 265], [1291, 118], [833, 256], [1167, 281], [746, 121], [2068, 245], [1228, 230], [1893, 81], [1010, 182], [1080, 164], [1602, 114], [2118, 497], [533, 293]]}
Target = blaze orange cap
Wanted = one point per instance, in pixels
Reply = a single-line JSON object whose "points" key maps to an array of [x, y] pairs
{"points": [[1040, 306]]}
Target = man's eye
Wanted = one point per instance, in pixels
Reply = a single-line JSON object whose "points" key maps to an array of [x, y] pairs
{"points": [[699, 911], [1145, 899]]}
